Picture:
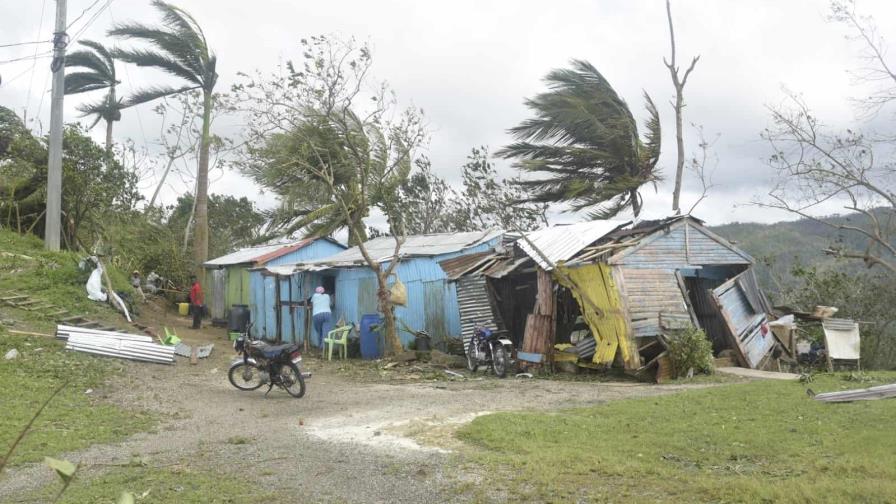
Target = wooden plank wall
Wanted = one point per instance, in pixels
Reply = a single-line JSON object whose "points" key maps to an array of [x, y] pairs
{"points": [[649, 292]]}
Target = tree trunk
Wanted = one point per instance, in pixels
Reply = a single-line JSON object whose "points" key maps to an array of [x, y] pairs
{"points": [[357, 234], [190, 220], [390, 333], [155, 193], [200, 240], [679, 140], [109, 122], [636, 202]]}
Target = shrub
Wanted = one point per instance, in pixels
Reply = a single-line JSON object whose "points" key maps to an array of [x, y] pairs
{"points": [[690, 349]]}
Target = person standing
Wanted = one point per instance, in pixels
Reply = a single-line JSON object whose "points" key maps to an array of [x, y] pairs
{"points": [[321, 315], [196, 302], [135, 283]]}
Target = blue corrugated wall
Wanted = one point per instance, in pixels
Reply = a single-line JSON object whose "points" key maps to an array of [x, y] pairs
{"points": [[432, 300]]}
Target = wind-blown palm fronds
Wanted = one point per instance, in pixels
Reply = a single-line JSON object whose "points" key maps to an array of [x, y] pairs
{"points": [[584, 141], [179, 48], [98, 63]]}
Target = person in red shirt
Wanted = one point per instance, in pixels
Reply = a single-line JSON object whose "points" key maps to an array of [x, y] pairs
{"points": [[196, 302]]}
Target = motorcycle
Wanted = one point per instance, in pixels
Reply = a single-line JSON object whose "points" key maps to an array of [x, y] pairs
{"points": [[265, 364], [487, 347]]}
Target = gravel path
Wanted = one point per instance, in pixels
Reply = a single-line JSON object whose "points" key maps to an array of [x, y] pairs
{"points": [[344, 441]]}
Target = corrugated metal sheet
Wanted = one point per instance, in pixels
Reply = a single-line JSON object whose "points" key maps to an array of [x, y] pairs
{"points": [[609, 328], [681, 245], [649, 292], [318, 249], [271, 253], [442, 245], [561, 243], [475, 307], [841, 337], [747, 326]]}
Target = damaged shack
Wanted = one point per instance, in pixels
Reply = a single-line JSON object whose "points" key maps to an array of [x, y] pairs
{"points": [[608, 292], [278, 291]]}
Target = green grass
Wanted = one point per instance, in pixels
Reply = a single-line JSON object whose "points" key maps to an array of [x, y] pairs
{"points": [[51, 277], [73, 420], [754, 442], [151, 485]]}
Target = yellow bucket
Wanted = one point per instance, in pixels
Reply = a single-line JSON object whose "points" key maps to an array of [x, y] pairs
{"points": [[183, 308]]}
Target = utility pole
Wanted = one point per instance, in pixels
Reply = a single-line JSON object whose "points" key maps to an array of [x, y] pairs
{"points": [[53, 217]]}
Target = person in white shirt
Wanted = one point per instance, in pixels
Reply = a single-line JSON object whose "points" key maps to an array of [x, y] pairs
{"points": [[321, 315]]}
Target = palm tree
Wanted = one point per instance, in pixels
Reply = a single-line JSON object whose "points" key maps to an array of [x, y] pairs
{"points": [[584, 142], [99, 74], [179, 48]]}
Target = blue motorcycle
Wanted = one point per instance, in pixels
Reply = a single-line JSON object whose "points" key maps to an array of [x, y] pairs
{"points": [[487, 347]]}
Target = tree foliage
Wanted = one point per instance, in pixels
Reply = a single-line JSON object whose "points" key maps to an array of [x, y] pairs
{"points": [[483, 201], [179, 48], [866, 296], [97, 72], [335, 145], [584, 144]]}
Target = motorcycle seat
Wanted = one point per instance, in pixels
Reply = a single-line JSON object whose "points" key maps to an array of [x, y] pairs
{"points": [[275, 350]]}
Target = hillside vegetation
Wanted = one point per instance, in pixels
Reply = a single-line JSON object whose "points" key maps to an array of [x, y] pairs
{"points": [[50, 277]]}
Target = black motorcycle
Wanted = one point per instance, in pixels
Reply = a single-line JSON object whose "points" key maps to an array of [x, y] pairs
{"points": [[487, 347], [265, 364]]}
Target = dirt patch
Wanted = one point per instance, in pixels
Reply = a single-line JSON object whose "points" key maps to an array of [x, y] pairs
{"points": [[394, 437]]}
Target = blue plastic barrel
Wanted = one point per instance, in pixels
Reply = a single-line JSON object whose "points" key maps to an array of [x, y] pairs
{"points": [[371, 341]]}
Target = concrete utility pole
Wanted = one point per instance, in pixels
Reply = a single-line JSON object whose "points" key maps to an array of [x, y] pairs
{"points": [[53, 218]]}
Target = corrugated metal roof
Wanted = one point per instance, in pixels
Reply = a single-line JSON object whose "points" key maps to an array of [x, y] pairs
{"points": [[381, 248], [258, 255], [561, 243]]}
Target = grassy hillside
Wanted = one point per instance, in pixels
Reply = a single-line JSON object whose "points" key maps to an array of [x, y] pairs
{"points": [[51, 277]]}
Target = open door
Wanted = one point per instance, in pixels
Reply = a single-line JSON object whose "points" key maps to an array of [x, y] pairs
{"points": [[742, 308]]}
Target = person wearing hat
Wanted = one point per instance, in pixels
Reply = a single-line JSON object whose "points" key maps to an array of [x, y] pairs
{"points": [[135, 283], [320, 313]]}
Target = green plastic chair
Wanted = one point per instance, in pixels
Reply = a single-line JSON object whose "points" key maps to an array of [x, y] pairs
{"points": [[171, 338], [338, 336]]}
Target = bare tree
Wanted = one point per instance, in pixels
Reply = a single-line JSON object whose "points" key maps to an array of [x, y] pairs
{"points": [[876, 70], [679, 82], [698, 166], [817, 170]]}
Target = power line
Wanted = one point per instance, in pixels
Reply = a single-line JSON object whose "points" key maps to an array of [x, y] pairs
{"points": [[81, 14], [26, 43], [40, 27], [90, 21], [24, 58]]}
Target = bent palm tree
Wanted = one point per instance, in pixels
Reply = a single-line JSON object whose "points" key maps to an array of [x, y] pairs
{"points": [[585, 141], [180, 49], [99, 74]]}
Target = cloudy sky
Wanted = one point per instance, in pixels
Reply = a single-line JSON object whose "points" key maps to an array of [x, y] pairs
{"points": [[469, 65]]}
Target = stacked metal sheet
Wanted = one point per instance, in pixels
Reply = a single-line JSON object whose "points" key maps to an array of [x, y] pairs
{"points": [[115, 344]]}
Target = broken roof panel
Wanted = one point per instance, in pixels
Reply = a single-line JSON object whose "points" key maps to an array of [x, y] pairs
{"points": [[561, 243]]}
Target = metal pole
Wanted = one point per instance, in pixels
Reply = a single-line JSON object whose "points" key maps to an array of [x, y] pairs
{"points": [[53, 228]]}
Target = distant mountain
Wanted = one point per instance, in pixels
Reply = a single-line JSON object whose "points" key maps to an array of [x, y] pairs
{"points": [[779, 247]]}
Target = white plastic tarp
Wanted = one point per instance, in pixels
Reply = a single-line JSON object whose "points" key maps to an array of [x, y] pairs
{"points": [[842, 338], [95, 286]]}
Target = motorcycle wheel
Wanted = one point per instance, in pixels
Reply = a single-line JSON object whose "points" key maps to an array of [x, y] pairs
{"points": [[291, 380], [499, 360], [472, 362], [245, 376]]}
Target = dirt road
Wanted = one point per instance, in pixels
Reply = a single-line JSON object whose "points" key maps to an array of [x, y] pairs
{"points": [[346, 440]]}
